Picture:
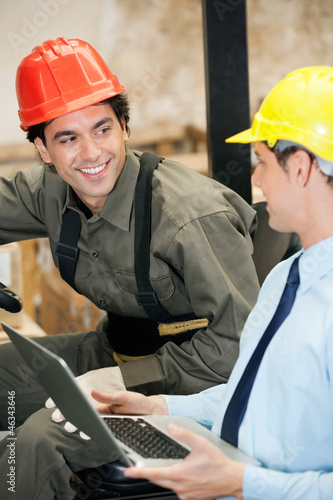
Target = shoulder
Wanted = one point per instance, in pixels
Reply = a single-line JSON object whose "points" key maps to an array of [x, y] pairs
{"points": [[30, 176], [185, 195], [38, 175], [39, 183]]}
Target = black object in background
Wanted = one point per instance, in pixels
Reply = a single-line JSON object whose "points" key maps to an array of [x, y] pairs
{"points": [[9, 300]]}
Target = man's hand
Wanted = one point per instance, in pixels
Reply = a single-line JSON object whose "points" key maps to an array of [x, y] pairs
{"points": [[206, 473], [104, 379], [130, 403]]}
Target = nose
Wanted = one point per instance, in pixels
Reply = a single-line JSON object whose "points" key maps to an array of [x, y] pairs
{"points": [[89, 150], [256, 176]]}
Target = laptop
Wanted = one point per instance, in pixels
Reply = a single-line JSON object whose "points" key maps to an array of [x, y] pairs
{"points": [[114, 433]]}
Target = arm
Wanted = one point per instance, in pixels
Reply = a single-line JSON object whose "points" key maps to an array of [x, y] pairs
{"points": [[260, 484], [133, 403], [201, 407], [214, 258], [22, 206]]}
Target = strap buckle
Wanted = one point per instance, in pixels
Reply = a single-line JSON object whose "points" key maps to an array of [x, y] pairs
{"points": [[67, 251], [146, 299]]}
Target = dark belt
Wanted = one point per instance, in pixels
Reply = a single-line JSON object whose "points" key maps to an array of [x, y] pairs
{"points": [[139, 336]]}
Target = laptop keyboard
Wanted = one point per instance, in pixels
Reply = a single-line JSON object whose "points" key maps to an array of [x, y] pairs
{"points": [[145, 439]]}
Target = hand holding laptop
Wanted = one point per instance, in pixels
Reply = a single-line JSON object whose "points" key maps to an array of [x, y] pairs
{"points": [[197, 475], [206, 472]]}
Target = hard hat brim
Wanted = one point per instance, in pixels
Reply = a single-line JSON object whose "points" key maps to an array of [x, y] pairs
{"points": [[28, 119], [243, 137]]}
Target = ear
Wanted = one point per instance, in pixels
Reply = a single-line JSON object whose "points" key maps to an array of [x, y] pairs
{"points": [[42, 150], [123, 127], [301, 167]]}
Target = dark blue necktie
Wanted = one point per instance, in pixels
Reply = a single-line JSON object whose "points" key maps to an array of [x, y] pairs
{"points": [[237, 406]]}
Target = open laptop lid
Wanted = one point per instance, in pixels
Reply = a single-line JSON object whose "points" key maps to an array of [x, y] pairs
{"points": [[54, 374], [72, 401]]}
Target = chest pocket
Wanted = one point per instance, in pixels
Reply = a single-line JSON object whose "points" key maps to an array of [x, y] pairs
{"points": [[127, 283]]}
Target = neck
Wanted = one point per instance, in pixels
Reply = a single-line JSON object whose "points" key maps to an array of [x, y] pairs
{"points": [[317, 221], [89, 209]]}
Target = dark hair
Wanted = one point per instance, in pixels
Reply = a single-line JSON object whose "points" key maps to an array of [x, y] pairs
{"points": [[283, 156], [119, 104]]}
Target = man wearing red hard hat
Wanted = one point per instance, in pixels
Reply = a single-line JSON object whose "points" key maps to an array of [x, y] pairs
{"points": [[164, 251]]}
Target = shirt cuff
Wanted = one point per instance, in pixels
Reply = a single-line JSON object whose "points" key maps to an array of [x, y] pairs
{"points": [[143, 375], [186, 406]]}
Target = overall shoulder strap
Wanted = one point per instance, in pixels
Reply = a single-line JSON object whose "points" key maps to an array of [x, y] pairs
{"points": [[67, 249], [145, 296]]}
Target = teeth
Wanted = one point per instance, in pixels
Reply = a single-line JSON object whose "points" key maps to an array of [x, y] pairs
{"points": [[93, 170]]}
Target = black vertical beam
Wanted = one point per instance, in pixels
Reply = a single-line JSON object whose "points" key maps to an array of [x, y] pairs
{"points": [[227, 92]]}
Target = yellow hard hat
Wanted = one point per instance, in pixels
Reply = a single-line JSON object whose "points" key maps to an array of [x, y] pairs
{"points": [[298, 109]]}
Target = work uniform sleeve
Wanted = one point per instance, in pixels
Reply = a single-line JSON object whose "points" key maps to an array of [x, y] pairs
{"points": [[22, 206], [213, 255]]}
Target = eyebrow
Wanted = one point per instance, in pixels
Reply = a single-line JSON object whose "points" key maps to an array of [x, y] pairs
{"points": [[67, 133]]}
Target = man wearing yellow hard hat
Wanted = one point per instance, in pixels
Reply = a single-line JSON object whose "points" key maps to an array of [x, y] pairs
{"points": [[278, 403]]}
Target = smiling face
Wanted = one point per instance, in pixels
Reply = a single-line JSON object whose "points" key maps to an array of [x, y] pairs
{"points": [[87, 148]]}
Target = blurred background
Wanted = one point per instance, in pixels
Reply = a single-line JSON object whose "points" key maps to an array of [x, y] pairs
{"points": [[155, 47]]}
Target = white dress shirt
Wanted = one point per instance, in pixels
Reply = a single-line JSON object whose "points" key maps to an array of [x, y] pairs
{"points": [[288, 424]]}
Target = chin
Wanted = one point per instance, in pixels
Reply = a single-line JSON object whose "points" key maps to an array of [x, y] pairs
{"points": [[278, 225]]}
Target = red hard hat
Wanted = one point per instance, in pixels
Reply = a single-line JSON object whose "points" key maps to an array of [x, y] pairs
{"points": [[61, 76]]}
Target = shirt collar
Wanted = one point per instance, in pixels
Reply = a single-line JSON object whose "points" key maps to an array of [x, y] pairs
{"points": [[118, 206], [315, 262]]}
